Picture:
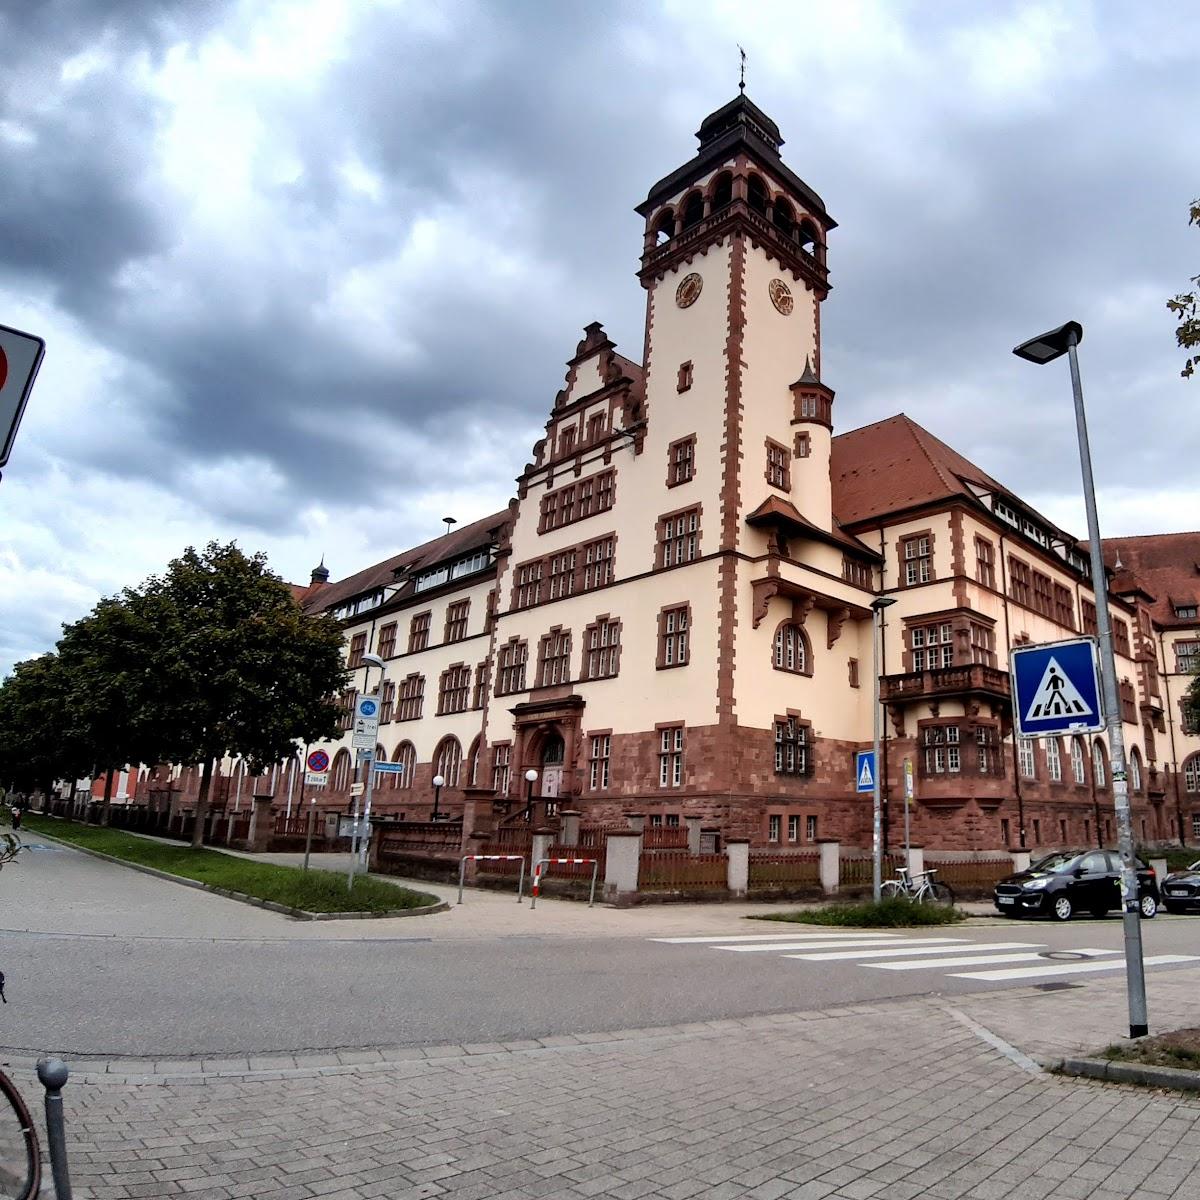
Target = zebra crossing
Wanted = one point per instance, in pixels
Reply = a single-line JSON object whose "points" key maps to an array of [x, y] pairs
{"points": [[954, 957]]}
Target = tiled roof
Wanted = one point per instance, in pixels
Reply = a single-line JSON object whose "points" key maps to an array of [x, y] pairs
{"points": [[1166, 565], [775, 509], [451, 545]]}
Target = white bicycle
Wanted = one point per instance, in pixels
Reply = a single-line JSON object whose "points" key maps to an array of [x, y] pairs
{"points": [[920, 888]]}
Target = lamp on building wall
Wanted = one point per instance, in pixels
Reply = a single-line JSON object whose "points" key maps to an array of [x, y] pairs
{"points": [[1041, 350], [530, 779], [877, 607], [438, 782]]}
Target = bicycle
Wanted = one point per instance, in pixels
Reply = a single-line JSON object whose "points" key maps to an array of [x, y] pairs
{"points": [[20, 1155], [920, 888]]}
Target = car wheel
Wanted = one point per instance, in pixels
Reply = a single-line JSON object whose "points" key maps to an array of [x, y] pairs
{"points": [[1148, 906], [1061, 908]]}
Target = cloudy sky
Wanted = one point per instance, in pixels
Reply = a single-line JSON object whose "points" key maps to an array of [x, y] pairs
{"points": [[308, 270]]}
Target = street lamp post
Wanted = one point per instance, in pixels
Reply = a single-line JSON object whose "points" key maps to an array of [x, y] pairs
{"points": [[1041, 350], [877, 607], [438, 783], [361, 841], [530, 779]]}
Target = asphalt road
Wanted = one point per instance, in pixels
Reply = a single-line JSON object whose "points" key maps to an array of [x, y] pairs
{"points": [[102, 961]]}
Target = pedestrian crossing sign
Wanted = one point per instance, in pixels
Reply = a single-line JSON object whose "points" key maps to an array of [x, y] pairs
{"points": [[864, 770], [1056, 688]]}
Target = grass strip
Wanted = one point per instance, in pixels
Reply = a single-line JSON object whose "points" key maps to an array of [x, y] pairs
{"points": [[887, 914], [312, 891], [1179, 1049]]}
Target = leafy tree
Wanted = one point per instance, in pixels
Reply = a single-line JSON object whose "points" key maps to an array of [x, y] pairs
{"points": [[237, 668], [36, 746], [1184, 307]]}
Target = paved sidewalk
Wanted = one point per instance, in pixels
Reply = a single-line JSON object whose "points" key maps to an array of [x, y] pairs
{"points": [[897, 1100]]}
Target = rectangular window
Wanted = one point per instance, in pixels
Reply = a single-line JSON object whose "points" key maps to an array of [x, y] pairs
{"points": [[418, 633], [943, 752], [555, 658], [1043, 600], [601, 649], [1128, 703], [562, 574], [803, 445], [501, 757], [387, 706], [1062, 830], [932, 646], [810, 829], [1077, 768], [983, 644], [1018, 581], [1064, 606], [596, 427], [527, 584], [1189, 716], [1089, 618], [778, 466], [566, 441], [358, 647], [598, 761], [683, 380], [1120, 632], [673, 637], [598, 563], [1005, 836], [454, 687], [791, 747], [1025, 756], [577, 501], [985, 562], [387, 640], [681, 461], [793, 828], [678, 538], [456, 620], [918, 560], [670, 756], [479, 699], [1053, 760], [346, 716], [1196, 825], [1037, 832], [1187, 658], [1185, 612], [773, 826], [412, 696], [510, 667], [852, 666], [855, 572]]}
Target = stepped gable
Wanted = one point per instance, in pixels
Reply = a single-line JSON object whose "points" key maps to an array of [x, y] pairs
{"points": [[1165, 566], [450, 545]]}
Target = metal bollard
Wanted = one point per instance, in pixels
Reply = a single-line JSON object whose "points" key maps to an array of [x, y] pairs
{"points": [[53, 1075]]}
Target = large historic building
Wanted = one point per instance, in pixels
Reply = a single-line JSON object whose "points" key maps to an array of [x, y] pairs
{"points": [[673, 615]]}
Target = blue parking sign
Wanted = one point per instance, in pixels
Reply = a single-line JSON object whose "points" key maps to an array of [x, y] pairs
{"points": [[1056, 688]]}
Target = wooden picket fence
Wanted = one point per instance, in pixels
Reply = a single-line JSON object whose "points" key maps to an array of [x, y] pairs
{"points": [[780, 871], [678, 871]]}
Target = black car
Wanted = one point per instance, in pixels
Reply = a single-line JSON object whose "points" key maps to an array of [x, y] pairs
{"points": [[1061, 885], [1181, 890]]}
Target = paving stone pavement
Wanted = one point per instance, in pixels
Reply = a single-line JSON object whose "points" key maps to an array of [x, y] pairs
{"points": [[894, 1100]]}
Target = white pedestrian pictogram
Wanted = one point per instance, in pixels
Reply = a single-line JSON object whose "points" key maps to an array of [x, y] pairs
{"points": [[1057, 696], [865, 778]]}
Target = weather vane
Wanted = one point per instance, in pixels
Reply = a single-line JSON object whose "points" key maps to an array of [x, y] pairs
{"points": [[742, 80]]}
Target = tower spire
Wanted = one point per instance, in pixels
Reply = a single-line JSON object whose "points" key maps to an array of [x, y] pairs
{"points": [[742, 77]]}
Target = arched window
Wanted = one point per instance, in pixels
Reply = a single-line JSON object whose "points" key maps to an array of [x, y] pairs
{"points": [[693, 210], [473, 763], [1077, 768], [792, 651], [1135, 770], [1099, 772], [553, 751], [341, 771], [722, 191], [756, 194], [447, 760], [664, 228], [1191, 774], [809, 240], [405, 753], [784, 218], [1053, 760]]}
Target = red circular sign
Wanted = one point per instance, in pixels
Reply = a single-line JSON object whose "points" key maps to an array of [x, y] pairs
{"points": [[318, 760]]}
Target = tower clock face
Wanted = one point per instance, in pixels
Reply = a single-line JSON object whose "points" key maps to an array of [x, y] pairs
{"points": [[688, 291], [781, 295]]}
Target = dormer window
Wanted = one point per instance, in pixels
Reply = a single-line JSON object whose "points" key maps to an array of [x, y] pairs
{"points": [[1185, 612]]}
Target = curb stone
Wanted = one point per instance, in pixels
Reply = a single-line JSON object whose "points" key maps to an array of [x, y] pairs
{"points": [[299, 914], [1126, 1072]]}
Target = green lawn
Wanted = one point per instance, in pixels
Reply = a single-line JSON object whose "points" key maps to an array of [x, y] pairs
{"points": [[887, 914], [313, 891]]}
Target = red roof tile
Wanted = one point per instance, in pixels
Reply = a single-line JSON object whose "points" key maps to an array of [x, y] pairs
{"points": [[1166, 565]]}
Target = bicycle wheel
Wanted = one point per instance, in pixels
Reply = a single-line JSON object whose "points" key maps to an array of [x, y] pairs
{"points": [[892, 889], [20, 1162], [937, 893]]}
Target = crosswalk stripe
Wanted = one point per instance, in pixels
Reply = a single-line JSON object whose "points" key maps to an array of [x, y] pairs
{"points": [[1073, 968], [896, 952], [760, 937], [849, 942], [967, 960]]}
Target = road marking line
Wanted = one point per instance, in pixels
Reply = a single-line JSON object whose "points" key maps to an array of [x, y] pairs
{"points": [[869, 941], [758, 937], [1158, 960], [973, 960], [1009, 1051], [894, 952]]}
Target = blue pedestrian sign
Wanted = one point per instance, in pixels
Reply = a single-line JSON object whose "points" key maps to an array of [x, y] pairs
{"points": [[864, 770], [1056, 688]]}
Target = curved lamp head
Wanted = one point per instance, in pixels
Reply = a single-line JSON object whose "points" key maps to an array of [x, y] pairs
{"points": [[438, 781], [373, 660], [1046, 347], [530, 775]]}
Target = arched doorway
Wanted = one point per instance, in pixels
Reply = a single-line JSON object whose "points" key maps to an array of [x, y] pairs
{"points": [[553, 755]]}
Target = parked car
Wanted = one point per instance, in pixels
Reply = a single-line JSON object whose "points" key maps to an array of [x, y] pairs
{"points": [[1181, 889], [1063, 884]]}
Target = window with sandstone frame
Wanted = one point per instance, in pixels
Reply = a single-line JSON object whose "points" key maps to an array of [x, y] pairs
{"points": [[673, 633], [562, 574], [601, 648], [778, 473], [418, 632], [501, 760], [554, 658], [479, 699], [387, 705], [1019, 583], [387, 640], [670, 756], [1187, 658], [457, 615], [511, 660], [454, 688], [412, 696], [681, 461], [1120, 632], [1090, 620], [793, 754], [931, 647], [358, 647], [916, 556], [599, 758], [1043, 599], [678, 539], [1053, 760], [598, 559], [791, 650], [1064, 607], [985, 563]]}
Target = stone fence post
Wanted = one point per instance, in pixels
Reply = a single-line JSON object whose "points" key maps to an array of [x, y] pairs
{"points": [[543, 839], [637, 821], [1020, 860], [622, 861], [1160, 868], [916, 860], [262, 826], [737, 866], [693, 828], [570, 826], [831, 865]]}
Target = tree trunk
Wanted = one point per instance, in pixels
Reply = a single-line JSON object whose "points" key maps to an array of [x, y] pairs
{"points": [[202, 804], [108, 790]]}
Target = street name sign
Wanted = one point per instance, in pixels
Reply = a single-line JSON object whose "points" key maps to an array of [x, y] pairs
{"points": [[357, 789], [316, 778], [366, 723], [864, 771], [386, 768], [1056, 688], [20, 356]]}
